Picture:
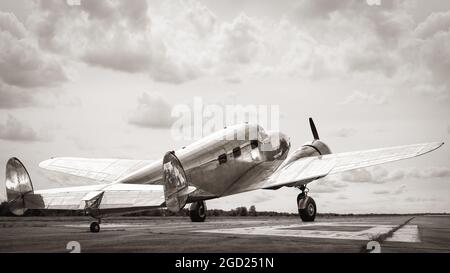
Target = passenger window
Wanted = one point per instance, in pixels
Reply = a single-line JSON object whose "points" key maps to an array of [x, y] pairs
{"points": [[222, 158], [254, 144], [237, 152]]}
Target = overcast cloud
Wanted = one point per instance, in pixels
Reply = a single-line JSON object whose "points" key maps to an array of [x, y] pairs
{"points": [[16, 130], [23, 66], [152, 111], [326, 39]]}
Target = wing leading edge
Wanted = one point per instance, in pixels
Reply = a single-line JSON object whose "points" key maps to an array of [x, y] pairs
{"points": [[307, 169]]}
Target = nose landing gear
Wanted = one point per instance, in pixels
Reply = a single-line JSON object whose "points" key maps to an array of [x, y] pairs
{"points": [[306, 205]]}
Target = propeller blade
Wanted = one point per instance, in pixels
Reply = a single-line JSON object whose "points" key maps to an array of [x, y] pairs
{"points": [[313, 129]]}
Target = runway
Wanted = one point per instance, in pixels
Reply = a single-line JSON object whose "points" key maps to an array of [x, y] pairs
{"points": [[224, 234]]}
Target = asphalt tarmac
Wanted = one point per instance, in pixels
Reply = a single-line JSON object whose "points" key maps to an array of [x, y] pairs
{"points": [[224, 234]]}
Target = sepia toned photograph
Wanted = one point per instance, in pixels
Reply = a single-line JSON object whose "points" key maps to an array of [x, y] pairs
{"points": [[252, 127]]}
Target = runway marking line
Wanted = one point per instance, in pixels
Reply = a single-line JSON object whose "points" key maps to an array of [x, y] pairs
{"points": [[324, 230], [408, 233]]}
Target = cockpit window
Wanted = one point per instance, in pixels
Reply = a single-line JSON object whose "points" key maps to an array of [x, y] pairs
{"points": [[237, 152], [254, 144], [222, 158]]}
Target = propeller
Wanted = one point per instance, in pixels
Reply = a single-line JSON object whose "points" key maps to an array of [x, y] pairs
{"points": [[313, 129]]}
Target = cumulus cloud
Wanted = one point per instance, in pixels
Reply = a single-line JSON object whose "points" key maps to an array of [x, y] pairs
{"points": [[380, 175], [178, 41], [365, 98], [327, 185], [318, 9], [261, 198], [21, 62], [110, 34], [381, 192], [436, 56], [428, 52], [152, 111], [358, 175], [9, 23], [23, 66], [123, 36], [16, 130], [346, 132], [419, 200], [241, 40], [400, 189], [375, 175], [342, 197], [436, 22], [397, 191], [13, 97], [429, 172]]}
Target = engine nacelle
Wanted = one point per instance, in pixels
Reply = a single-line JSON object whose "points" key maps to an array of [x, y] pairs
{"points": [[309, 149], [319, 146]]}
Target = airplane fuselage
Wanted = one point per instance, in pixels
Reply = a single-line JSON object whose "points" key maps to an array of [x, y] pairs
{"points": [[222, 163], [217, 162]]}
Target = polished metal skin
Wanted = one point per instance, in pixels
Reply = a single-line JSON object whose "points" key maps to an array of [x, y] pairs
{"points": [[203, 168], [176, 186], [18, 184]]}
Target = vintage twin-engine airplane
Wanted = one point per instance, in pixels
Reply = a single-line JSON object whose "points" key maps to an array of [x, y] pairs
{"points": [[219, 165]]}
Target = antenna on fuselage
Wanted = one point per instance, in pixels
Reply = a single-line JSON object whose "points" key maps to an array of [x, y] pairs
{"points": [[313, 129]]}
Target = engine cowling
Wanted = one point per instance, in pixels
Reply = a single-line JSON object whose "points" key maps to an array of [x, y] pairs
{"points": [[319, 146], [309, 149]]}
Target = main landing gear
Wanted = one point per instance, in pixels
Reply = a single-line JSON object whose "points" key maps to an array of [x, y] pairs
{"points": [[306, 206], [197, 211], [95, 226]]}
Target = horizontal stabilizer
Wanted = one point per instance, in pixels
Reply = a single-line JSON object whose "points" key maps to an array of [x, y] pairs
{"points": [[102, 170]]}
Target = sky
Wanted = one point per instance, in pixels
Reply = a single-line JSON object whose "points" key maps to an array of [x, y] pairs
{"points": [[101, 79]]}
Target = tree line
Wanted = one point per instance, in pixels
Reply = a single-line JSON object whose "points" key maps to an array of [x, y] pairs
{"points": [[239, 211]]}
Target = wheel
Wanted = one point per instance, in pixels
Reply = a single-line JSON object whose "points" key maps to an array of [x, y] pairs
{"points": [[197, 211], [95, 227], [306, 208]]}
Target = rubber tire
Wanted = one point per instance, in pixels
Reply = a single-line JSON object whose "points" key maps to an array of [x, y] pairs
{"points": [[308, 214], [95, 227], [197, 211]]}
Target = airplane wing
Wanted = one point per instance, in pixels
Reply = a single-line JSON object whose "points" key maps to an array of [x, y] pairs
{"points": [[100, 199], [102, 170], [116, 196], [307, 169]]}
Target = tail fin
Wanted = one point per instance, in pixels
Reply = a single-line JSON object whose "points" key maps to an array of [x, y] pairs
{"points": [[18, 184], [176, 186]]}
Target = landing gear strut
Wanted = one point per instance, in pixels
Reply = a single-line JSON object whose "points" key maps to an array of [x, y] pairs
{"points": [[95, 226], [197, 211], [306, 205]]}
